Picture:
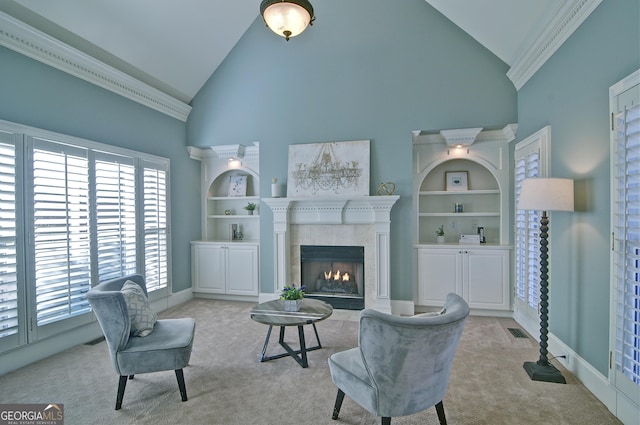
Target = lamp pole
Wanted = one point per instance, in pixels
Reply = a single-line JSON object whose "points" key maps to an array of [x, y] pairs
{"points": [[542, 370]]}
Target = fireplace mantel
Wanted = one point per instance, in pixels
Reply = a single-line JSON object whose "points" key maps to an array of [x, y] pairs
{"points": [[360, 210], [367, 210]]}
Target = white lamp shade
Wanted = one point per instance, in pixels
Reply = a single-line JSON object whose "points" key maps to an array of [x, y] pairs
{"points": [[284, 17], [546, 194]]}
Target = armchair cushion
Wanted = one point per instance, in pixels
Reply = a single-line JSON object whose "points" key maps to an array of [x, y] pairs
{"points": [[167, 348], [143, 318]]}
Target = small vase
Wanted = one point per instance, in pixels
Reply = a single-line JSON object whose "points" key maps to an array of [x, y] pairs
{"points": [[292, 305], [250, 212], [440, 239]]}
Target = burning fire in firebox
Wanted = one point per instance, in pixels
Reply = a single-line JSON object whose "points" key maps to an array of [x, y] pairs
{"points": [[330, 275]]}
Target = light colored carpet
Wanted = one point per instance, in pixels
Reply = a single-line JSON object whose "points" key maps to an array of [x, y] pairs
{"points": [[226, 383]]}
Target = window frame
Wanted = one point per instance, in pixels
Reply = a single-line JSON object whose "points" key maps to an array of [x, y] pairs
{"points": [[622, 94], [540, 141], [23, 137]]}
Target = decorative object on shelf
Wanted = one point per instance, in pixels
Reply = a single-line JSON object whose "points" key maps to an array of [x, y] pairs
{"points": [[469, 240], [250, 207], [457, 180], [328, 169], [276, 189], [292, 297], [237, 185], [236, 233], [287, 18], [227, 212], [440, 234], [545, 194], [386, 189], [457, 207], [481, 234]]}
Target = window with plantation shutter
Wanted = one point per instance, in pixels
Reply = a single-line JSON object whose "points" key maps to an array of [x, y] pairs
{"points": [[626, 246], [61, 236], [156, 231], [115, 211], [8, 255], [74, 213], [530, 160]]}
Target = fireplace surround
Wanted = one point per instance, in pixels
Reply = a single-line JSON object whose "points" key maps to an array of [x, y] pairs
{"points": [[357, 221]]}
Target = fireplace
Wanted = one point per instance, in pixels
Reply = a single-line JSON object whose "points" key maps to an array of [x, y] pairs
{"points": [[334, 274], [362, 221]]}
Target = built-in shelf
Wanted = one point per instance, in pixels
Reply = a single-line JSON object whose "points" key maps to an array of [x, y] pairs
{"points": [[458, 193]]}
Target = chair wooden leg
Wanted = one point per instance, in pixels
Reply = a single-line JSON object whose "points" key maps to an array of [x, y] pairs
{"points": [[183, 388], [122, 384], [440, 411], [338, 405], [386, 420]]}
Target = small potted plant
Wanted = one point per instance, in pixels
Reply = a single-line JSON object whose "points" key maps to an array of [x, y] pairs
{"points": [[250, 207], [440, 234], [292, 297]]}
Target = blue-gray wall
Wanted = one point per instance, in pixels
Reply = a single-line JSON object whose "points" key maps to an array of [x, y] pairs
{"points": [[571, 93], [365, 70], [38, 95]]}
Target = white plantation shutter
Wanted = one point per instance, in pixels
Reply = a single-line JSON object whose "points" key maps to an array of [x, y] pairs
{"points": [[115, 202], [60, 231], [527, 237], [156, 232], [8, 258], [74, 213], [626, 256], [530, 158]]}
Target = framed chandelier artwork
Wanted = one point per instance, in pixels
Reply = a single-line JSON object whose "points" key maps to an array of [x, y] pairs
{"points": [[328, 169]]}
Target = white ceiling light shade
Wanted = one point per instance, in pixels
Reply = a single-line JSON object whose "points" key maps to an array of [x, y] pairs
{"points": [[287, 18]]}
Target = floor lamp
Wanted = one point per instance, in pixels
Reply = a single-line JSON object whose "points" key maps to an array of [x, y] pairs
{"points": [[545, 194]]}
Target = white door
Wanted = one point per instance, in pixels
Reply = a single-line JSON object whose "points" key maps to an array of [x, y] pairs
{"points": [[487, 278], [439, 273], [242, 270], [209, 268], [625, 254]]}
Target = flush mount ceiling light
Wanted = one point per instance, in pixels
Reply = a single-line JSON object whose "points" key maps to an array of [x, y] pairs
{"points": [[287, 18]]}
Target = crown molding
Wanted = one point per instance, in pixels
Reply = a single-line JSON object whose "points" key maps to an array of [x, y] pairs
{"points": [[28, 41], [570, 15], [503, 135]]}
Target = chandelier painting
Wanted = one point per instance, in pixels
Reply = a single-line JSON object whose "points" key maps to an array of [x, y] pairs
{"points": [[329, 169]]}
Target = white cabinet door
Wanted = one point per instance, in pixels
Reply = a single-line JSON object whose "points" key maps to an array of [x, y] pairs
{"points": [[479, 275], [209, 267], [242, 270], [439, 273], [487, 278]]}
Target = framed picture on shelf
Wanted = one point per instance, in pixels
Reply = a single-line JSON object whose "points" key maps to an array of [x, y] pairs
{"points": [[237, 185], [456, 181]]}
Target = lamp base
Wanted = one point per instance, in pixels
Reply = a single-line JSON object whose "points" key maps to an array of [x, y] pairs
{"points": [[544, 373]]}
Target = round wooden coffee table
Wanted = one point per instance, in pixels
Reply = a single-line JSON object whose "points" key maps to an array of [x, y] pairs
{"points": [[272, 313]]}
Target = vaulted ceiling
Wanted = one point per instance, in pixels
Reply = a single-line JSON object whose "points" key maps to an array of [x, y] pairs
{"points": [[175, 46]]}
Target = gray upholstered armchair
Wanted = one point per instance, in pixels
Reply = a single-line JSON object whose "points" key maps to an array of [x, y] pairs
{"points": [[166, 347], [402, 364]]}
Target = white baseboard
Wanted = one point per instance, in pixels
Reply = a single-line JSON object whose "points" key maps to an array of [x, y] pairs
{"points": [[402, 308], [22, 356], [592, 379], [181, 297]]}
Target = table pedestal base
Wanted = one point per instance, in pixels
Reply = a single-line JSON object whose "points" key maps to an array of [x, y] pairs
{"points": [[298, 355]]}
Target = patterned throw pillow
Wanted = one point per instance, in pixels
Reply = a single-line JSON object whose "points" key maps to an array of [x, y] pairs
{"points": [[143, 318]]}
